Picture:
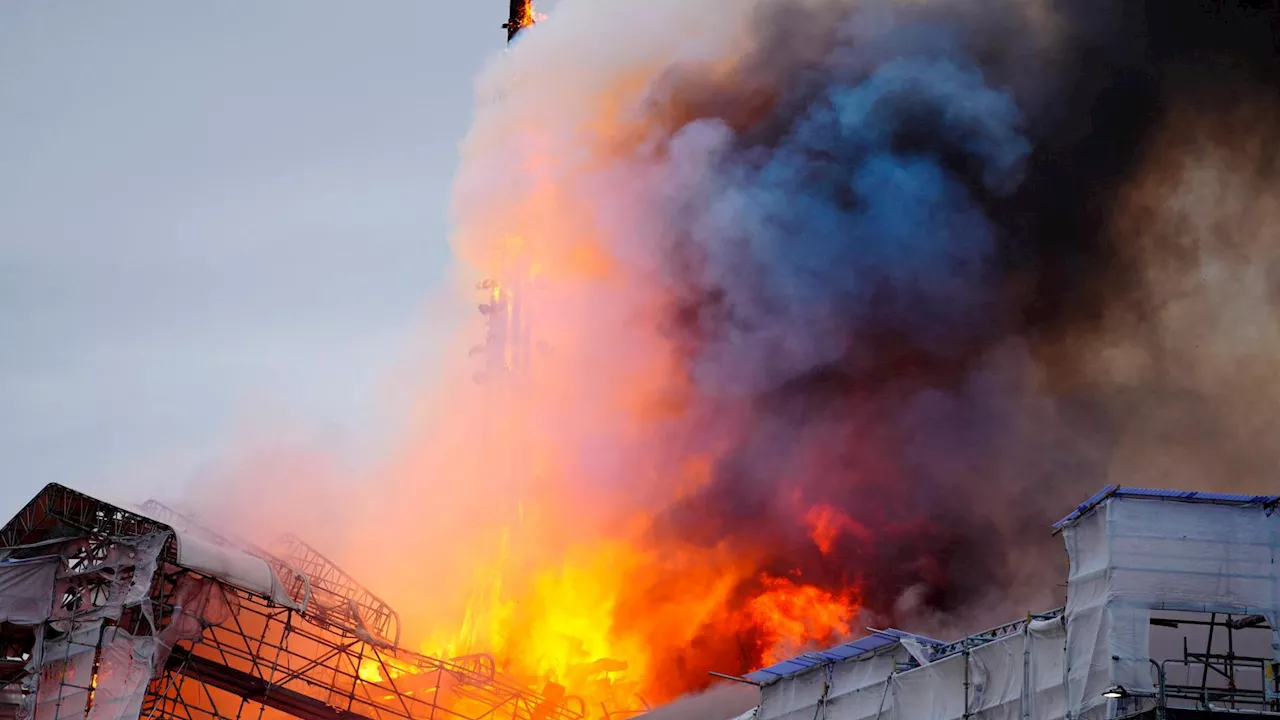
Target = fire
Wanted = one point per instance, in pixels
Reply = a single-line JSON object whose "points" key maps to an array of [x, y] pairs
{"points": [[537, 508], [524, 14], [605, 619], [792, 617], [555, 625], [827, 524], [371, 669]]}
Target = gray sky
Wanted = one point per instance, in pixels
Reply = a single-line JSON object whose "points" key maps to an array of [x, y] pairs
{"points": [[214, 214]]}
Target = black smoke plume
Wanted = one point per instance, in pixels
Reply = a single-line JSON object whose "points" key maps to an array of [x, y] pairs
{"points": [[929, 264]]}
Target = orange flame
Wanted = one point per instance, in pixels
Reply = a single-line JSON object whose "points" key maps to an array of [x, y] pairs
{"points": [[794, 617], [827, 524], [370, 669]]}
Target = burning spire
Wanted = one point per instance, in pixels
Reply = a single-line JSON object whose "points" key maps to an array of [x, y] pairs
{"points": [[521, 17]]}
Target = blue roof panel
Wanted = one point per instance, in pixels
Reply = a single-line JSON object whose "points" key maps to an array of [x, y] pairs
{"points": [[843, 652], [1173, 495], [839, 653]]}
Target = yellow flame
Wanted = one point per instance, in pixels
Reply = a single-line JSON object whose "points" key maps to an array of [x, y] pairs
{"points": [[371, 669]]}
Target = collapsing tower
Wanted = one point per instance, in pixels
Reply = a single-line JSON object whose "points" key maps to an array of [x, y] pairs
{"points": [[507, 353], [521, 18], [109, 613], [507, 347]]}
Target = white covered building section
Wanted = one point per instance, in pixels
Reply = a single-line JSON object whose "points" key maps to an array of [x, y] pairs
{"points": [[1172, 601], [232, 566], [224, 560]]}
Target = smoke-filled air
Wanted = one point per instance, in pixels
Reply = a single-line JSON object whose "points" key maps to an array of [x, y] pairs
{"points": [[827, 309]]}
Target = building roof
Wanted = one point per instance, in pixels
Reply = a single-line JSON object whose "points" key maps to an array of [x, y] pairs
{"points": [[193, 548], [879, 640], [1265, 501]]}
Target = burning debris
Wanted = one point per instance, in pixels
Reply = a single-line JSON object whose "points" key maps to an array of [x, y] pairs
{"points": [[522, 16]]}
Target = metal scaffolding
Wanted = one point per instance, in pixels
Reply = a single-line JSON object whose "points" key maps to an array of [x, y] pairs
{"points": [[1224, 676], [134, 623]]}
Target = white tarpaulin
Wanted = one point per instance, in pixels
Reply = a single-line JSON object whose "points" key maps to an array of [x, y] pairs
{"points": [[851, 689], [26, 590], [232, 566], [123, 674], [1011, 678], [198, 604], [1132, 555], [228, 561], [88, 594], [62, 674], [91, 582]]}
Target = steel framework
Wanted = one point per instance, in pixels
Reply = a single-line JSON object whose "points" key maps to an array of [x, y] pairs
{"points": [[1229, 681], [328, 652]]}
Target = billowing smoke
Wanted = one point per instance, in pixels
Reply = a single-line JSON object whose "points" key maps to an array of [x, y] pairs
{"points": [[843, 303], [929, 273]]}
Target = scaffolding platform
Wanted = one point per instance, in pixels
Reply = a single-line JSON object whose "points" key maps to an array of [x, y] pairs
{"points": [[110, 613]]}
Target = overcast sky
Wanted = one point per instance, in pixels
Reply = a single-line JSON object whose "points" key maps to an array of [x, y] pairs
{"points": [[215, 212]]}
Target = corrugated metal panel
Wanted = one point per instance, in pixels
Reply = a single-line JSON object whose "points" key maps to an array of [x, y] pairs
{"points": [[839, 653], [1171, 495], [1086, 506]]}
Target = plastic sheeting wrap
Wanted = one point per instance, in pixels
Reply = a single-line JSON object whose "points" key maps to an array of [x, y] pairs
{"points": [[60, 675], [933, 691], [1086, 612], [861, 689], [1046, 694], [123, 571], [1014, 677], [90, 583], [234, 567], [86, 586], [26, 590], [1132, 555], [849, 687], [123, 674], [59, 687], [198, 604], [228, 561]]}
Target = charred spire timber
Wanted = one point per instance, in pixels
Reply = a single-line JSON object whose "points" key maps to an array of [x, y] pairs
{"points": [[521, 18]]}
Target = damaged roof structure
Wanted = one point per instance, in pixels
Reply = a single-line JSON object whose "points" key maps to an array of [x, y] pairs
{"points": [[1172, 601], [114, 613]]}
